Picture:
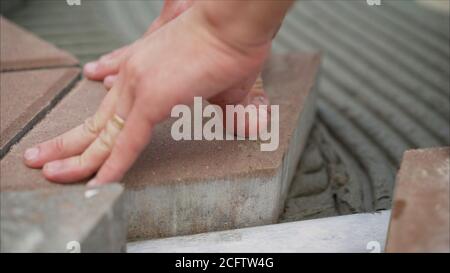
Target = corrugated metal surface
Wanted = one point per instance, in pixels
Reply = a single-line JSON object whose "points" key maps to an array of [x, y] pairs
{"points": [[384, 86]]}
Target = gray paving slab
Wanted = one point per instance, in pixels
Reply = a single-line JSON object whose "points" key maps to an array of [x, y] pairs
{"points": [[73, 219], [364, 232]]}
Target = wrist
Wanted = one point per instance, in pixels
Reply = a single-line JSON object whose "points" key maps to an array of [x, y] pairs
{"points": [[245, 25]]}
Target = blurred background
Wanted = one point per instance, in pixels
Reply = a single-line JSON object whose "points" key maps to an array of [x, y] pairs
{"points": [[384, 85]]}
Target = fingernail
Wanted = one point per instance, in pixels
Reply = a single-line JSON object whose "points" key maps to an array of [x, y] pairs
{"points": [[31, 154], [53, 167], [92, 183], [91, 67]]}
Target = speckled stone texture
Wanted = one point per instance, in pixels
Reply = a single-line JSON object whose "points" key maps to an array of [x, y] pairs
{"points": [[73, 219], [20, 49], [35, 76], [420, 213], [26, 96], [186, 187]]}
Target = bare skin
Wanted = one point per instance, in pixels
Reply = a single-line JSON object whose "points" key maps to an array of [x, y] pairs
{"points": [[210, 49], [106, 68]]}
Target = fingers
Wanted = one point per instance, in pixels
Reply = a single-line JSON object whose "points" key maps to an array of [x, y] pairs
{"points": [[82, 166], [85, 165], [98, 148], [128, 145], [86, 147], [74, 141], [107, 65]]}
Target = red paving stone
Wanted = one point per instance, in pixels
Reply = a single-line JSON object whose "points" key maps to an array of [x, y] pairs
{"points": [[26, 96], [20, 49], [420, 213], [194, 186]]}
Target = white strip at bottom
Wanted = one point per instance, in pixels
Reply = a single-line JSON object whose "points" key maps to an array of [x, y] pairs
{"points": [[365, 232]]}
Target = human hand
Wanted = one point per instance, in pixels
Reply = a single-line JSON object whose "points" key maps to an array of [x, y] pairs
{"points": [[107, 66], [156, 75]]}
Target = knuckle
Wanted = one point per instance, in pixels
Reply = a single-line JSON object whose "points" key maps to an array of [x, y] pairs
{"points": [[58, 144], [85, 165], [105, 142], [91, 125], [133, 69], [81, 160]]}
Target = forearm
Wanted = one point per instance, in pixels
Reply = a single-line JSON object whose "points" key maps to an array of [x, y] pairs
{"points": [[244, 23]]}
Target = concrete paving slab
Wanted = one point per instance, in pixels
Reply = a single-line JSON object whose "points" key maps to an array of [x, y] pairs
{"points": [[26, 96], [420, 214], [20, 49], [74, 219], [185, 187], [68, 113], [351, 233]]}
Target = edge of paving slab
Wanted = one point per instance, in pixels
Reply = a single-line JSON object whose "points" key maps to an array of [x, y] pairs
{"points": [[412, 201], [71, 62], [75, 219], [41, 113], [60, 59], [364, 232]]}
